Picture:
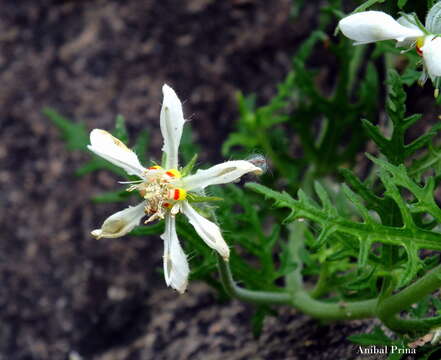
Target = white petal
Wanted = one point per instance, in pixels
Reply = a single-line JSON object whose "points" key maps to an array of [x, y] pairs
{"points": [[172, 123], [110, 148], [408, 42], [370, 26], [207, 230], [176, 268], [220, 174], [120, 223], [432, 55]]}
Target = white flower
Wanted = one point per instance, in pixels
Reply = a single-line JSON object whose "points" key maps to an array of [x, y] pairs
{"points": [[431, 50], [166, 193], [371, 26]]}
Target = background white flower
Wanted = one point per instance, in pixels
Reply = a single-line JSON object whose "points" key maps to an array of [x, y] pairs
{"points": [[371, 26], [166, 192]]}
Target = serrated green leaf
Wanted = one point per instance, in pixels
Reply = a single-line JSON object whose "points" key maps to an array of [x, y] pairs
{"points": [[375, 134], [377, 337], [356, 200], [365, 247], [324, 198], [324, 235], [75, 134], [412, 265]]}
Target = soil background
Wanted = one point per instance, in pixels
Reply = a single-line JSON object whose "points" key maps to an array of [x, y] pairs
{"points": [[64, 295]]}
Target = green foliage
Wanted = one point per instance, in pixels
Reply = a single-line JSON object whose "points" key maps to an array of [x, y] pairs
{"points": [[75, 134], [375, 337], [394, 148], [301, 109]]}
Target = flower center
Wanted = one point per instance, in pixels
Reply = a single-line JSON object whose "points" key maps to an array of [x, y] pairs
{"points": [[160, 191], [419, 44]]}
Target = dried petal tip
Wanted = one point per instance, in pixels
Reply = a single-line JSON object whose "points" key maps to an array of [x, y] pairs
{"points": [[113, 150], [97, 233], [120, 223], [260, 162]]}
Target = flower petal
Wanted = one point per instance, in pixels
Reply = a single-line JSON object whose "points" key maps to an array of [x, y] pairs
{"points": [[406, 21], [370, 26], [172, 123], [432, 55], [110, 148], [220, 174], [207, 230], [176, 268], [120, 223]]}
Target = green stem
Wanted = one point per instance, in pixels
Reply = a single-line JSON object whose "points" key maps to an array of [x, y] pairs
{"points": [[294, 280], [388, 309], [321, 286], [334, 311], [300, 300], [251, 296]]}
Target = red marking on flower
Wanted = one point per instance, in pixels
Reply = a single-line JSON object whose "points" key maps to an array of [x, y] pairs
{"points": [[176, 195]]}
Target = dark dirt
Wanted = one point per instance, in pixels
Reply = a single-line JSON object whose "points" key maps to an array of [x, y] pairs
{"points": [[64, 295]]}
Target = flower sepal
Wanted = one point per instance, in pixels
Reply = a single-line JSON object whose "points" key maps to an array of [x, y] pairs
{"points": [[187, 169], [194, 198]]}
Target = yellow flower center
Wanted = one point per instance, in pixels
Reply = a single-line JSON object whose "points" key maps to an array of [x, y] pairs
{"points": [[160, 191]]}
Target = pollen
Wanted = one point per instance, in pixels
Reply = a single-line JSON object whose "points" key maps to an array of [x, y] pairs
{"points": [[160, 192], [177, 194], [174, 173]]}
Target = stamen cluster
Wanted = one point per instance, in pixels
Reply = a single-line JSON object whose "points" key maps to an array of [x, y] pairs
{"points": [[161, 192]]}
